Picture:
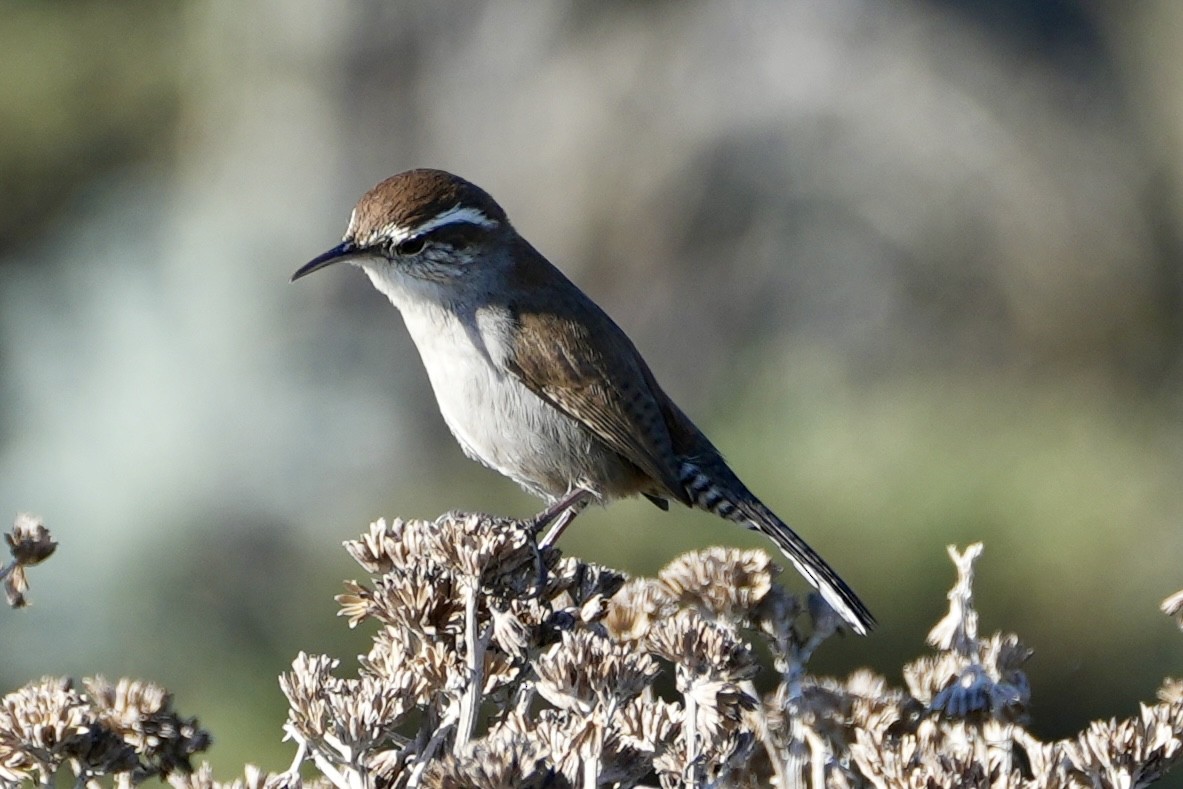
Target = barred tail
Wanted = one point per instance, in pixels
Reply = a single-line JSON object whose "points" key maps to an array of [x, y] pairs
{"points": [[721, 493]]}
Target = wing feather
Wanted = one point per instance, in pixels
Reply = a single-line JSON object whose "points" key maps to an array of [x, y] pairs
{"points": [[600, 381]]}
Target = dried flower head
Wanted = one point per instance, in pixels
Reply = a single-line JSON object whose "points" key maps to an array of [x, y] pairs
{"points": [[699, 648], [41, 725], [425, 667], [127, 729], [343, 724], [582, 589], [418, 599], [722, 583], [1171, 691], [142, 715], [253, 778], [30, 543], [650, 726], [506, 760], [307, 687], [875, 707], [989, 683], [1132, 752], [387, 546], [1173, 607], [15, 585], [586, 671], [579, 746], [496, 551], [635, 607]]}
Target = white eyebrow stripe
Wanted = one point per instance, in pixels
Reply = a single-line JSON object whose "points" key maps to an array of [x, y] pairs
{"points": [[455, 215]]}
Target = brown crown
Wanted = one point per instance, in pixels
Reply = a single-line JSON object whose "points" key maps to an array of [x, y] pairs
{"points": [[411, 198]]}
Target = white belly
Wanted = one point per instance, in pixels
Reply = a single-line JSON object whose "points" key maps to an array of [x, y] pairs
{"points": [[497, 420]]}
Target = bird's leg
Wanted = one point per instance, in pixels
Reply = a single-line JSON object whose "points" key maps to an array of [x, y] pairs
{"points": [[561, 523], [560, 514]]}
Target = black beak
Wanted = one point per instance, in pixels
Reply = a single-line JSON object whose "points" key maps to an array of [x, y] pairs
{"points": [[343, 251]]}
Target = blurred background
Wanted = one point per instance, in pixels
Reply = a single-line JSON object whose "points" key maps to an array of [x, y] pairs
{"points": [[913, 265]]}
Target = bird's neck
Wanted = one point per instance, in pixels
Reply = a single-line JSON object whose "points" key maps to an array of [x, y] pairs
{"points": [[446, 332]]}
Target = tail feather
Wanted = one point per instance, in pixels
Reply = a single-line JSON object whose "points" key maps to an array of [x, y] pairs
{"points": [[720, 492]]}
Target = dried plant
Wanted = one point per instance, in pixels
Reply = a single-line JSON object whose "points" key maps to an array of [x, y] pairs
{"points": [[496, 663], [127, 729], [30, 543]]}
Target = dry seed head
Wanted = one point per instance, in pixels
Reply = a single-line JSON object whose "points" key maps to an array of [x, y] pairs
{"points": [[420, 601], [253, 778], [422, 666], [722, 754], [650, 725], [333, 715], [29, 541], [510, 633], [505, 760], [307, 687], [1173, 607], [723, 583], [581, 588], [700, 649], [1171, 691], [1108, 752], [142, 714], [356, 604], [586, 671], [722, 706], [48, 718], [635, 607], [563, 737], [387, 546], [568, 740], [367, 711], [484, 549]]}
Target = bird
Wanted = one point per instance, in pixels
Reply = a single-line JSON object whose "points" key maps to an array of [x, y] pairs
{"points": [[533, 379]]}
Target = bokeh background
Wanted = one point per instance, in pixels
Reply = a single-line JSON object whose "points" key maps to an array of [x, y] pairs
{"points": [[914, 265]]}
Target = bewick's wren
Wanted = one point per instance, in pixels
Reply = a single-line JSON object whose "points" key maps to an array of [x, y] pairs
{"points": [[533, 379]]}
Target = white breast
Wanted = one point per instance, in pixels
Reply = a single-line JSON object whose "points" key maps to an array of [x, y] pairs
{"points": [[496, 419]]}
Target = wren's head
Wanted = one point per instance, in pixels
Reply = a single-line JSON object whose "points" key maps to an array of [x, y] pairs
{"points": [[419, 228]]}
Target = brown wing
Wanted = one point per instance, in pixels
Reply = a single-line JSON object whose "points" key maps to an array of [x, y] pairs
{"points": [[588, 369]]}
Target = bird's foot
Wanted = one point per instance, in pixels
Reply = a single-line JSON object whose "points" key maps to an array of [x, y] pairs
{"points": [[558, 516]]}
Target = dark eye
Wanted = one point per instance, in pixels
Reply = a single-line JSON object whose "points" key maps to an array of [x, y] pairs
{"points": [[410, 246]]}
